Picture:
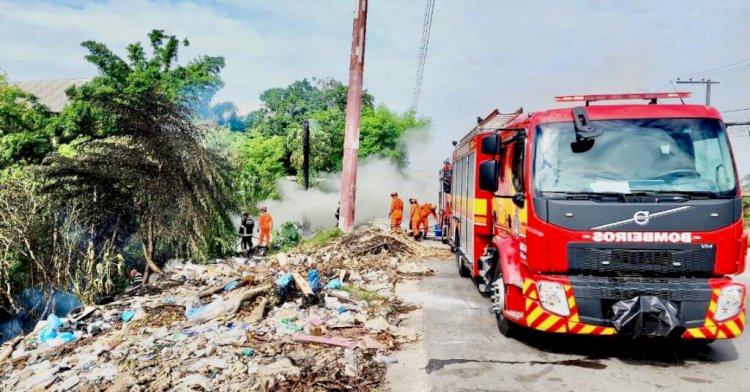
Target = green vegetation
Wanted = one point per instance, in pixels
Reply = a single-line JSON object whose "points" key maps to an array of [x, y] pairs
{"points": [[129, 174], [321, 237]]}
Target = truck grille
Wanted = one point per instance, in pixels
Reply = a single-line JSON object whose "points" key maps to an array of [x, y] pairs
{"points": [[656, 260], [626, 288]]}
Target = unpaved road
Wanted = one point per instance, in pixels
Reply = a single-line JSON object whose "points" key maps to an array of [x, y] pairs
{"points": [[462, 350]]}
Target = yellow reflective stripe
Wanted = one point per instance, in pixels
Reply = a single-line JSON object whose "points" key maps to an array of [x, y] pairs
{"points": [[574, 317], [562, 329], [712, 307], [721, 335], [480, 206], [526, 284], [571, 302], [528, 303], [736, 330], [587, 329], [532, 294], [696, 333], [608, 331], [742, 317], [534, 315], [548, 323], [709, 323]]}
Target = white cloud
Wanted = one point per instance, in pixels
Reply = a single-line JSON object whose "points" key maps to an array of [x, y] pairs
{"points": [[483, 54]]}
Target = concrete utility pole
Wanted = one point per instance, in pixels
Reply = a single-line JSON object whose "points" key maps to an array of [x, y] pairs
{"points": [[707, 82], [353, 117]]}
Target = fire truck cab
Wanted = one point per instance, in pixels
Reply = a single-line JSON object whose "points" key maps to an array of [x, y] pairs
{"points": [[602, 219]]}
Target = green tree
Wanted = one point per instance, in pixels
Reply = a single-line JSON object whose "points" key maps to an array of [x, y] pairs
{"points": [[258, 164], [381, 133], [190, 85], [23, 139], [143, 150]]}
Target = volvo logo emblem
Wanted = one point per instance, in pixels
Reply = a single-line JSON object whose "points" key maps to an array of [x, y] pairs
{"points": [[641, 218]]}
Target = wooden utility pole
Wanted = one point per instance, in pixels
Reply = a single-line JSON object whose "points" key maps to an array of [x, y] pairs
{"points": [[306, 154], [353, 117]]}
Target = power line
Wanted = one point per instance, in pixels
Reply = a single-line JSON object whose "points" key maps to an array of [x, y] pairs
{"points": [[735, 110], [706, 72], [422, 57]]}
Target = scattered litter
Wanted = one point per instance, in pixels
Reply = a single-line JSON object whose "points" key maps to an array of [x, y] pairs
{"points": [[127, 315], [265, 323]]}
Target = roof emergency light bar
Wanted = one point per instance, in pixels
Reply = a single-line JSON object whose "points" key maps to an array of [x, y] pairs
{"points": [[617, 97]]}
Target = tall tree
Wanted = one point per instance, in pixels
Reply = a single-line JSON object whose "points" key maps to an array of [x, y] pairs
{"points": [[144, 149], [23, 120]]}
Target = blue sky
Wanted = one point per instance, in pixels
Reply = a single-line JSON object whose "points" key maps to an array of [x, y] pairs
{"points": [[483, 53]]}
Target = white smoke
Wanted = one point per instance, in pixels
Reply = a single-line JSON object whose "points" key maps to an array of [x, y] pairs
{"points": [[376, 179]]}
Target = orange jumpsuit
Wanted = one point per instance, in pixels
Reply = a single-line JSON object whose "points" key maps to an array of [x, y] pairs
{"points": [[414, 217], [266, 222], [397, 214], [425, 210]]}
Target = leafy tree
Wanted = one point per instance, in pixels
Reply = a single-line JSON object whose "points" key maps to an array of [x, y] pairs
{"points": [[23, 119], [381, 132], [122, 79], [258, 163], [144, 152]]}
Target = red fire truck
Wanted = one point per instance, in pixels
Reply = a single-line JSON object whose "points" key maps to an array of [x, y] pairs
{"points": [[602, 219]]}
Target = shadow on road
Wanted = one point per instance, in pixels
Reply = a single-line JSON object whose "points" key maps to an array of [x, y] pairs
{"points": [[651, 352]]}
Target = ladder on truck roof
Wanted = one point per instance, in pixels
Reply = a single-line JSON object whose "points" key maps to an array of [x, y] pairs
{"points": [[494, 121]]}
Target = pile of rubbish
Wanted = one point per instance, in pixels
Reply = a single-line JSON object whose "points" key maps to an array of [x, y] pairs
{"points": [[323, 319]]}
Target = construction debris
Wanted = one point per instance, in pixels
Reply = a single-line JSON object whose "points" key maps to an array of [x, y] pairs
{"points": [[236, 325]]}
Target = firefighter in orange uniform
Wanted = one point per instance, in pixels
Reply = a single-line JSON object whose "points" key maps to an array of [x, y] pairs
{"points": [[414, 218], [266, 224], [425, 210], [397, 212]]}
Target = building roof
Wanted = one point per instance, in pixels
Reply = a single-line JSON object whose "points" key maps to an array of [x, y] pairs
{"points": [[50, 93]]}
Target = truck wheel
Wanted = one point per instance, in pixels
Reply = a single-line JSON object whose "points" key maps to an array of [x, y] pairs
{"points": [[462, 270], [444, 235], [506, 327]]}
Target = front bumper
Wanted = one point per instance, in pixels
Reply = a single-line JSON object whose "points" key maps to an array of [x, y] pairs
{"points": [[590, 300]]}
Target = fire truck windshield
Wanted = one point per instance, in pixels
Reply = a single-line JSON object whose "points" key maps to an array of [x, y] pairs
{"points": [[674, 156]]}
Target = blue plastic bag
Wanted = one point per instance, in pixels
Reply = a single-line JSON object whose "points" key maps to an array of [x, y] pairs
{"points": [[284, 280], [334, 284], [127, 315], [66, 337], [231, 286], [313, 279], [47, 334], [53, 322]]}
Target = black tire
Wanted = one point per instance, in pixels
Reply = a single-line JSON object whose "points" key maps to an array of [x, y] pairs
{"points": [[507, 328], [462, 270]]}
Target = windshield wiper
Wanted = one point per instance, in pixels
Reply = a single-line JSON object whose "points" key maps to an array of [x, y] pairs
{"points": [[599, 196], [680, 195]]}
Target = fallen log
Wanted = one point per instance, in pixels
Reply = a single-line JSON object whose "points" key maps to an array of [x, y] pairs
{"points": [[302, 284], [339, 342], [257, 313], [8, 347]]}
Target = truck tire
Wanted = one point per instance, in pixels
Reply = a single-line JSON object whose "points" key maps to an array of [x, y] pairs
{"points": [[462, 270], [444, 234], [507, 328]]}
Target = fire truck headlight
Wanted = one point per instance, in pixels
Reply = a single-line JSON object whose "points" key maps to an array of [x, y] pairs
{"points": [[552, 296], [730, 301]]}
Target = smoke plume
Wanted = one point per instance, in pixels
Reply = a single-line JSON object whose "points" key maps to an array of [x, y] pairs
{"points": [[376, 179]]}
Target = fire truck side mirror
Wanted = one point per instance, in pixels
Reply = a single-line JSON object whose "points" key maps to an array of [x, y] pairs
{"points": [[489, 172], [491, 144]]}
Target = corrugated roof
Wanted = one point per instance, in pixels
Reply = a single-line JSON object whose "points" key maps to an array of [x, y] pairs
{"points": [[50, 93]]}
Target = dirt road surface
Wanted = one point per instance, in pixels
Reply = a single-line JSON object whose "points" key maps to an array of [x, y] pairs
{"points": [[462, 350]]}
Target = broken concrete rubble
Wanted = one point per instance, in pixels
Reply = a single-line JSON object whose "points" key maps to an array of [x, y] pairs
{"points": [[227, 326]]}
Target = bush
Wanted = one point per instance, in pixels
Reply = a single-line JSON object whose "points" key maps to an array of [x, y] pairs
{"points": [[286, 237]]}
